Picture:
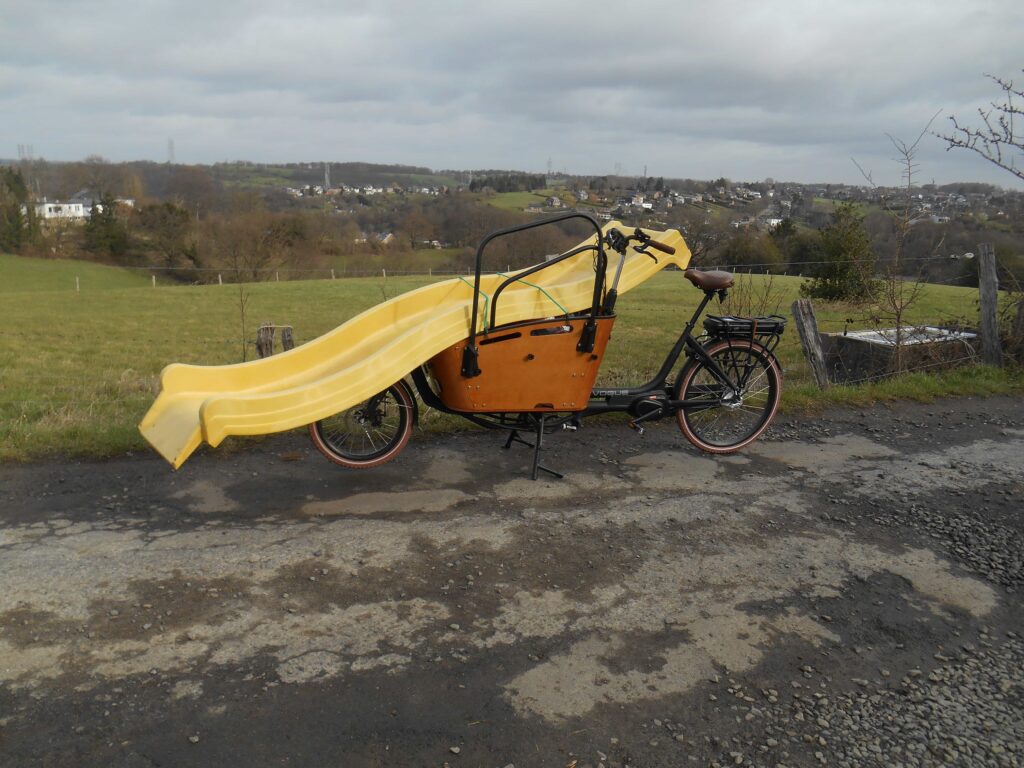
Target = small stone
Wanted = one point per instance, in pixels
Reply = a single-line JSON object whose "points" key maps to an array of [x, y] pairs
{"points": [[455, 750], [194, 739]]}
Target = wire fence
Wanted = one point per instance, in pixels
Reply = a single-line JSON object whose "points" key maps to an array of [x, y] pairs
{"points": [[290, 272], [953, 362]]}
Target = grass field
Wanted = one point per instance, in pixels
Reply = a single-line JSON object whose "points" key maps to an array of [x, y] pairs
{"points": [[516, 201], [19, 274], [78, 370], [828, 205]]}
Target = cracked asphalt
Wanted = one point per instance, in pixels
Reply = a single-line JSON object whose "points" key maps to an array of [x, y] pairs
{"points": [[844, 592]]}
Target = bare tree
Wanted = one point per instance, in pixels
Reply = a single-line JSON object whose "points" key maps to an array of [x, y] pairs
{"points": [[895, 292], [1000, 140], [702, 232], [243, 302]]}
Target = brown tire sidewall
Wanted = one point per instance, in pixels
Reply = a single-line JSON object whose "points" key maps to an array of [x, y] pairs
{"points": [[404, 398], [691, 369]]}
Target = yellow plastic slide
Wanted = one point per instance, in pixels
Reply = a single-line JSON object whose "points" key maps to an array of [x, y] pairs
{"points": [[366, 354]]}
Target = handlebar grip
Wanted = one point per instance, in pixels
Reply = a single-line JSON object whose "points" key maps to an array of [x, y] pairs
{"points": [[660, 247]]}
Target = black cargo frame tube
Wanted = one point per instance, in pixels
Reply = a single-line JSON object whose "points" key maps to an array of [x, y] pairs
{"points": [[602, 263], [530, 271]]}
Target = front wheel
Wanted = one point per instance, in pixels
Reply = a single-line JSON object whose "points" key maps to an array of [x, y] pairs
{"points": [[716, 419], [368, 434]]}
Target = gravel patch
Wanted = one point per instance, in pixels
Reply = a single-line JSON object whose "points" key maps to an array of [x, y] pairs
{"points": [[990, 549], [966, 711]]}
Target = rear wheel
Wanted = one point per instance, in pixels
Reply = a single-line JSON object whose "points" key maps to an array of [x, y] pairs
{"points": [[368, 434], [717, 420]]}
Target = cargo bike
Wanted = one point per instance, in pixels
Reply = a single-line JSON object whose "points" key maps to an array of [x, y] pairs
{"points": [[537, 376]]}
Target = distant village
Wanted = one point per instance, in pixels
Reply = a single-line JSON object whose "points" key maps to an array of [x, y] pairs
{"points": [[760, 206], [296, 214]]}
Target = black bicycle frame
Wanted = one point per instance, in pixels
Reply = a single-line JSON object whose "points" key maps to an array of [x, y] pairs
{"points": [[617, 400]]}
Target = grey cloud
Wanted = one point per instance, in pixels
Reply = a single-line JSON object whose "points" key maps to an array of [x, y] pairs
{"points": [[790, 88]]}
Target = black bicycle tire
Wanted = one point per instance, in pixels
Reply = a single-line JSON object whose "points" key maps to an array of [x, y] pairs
{"points": [[393, 445], [685, 416]]}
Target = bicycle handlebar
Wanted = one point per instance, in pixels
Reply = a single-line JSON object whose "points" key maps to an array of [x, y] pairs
{"points": [[619, 242], [661, 247]]}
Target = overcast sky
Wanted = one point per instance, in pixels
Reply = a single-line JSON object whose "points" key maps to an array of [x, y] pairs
{"points": [[791, 90]]}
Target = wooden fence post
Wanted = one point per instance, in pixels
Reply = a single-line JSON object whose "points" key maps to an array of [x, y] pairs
{"points": [[988, 284], [265, 340], [807, 326], [287, 340]]}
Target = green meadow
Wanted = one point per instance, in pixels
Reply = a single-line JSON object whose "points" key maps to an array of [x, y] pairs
{"points": [[78, 369], [19, 274]]}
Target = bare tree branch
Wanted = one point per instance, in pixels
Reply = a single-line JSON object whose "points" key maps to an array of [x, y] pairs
{"points": [[999, 141], [895, 293]]}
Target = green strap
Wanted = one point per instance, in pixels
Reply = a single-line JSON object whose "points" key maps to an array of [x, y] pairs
{"points": [[487, 301], [539, 288]]}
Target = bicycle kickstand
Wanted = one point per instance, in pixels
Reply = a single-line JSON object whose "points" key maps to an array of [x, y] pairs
{"points": [[536, 454]]}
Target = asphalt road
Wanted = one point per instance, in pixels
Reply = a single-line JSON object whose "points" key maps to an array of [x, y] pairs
{"points": [[844, 592]]}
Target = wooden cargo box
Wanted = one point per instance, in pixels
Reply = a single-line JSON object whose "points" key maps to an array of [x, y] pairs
{"points": [[524, 367]]}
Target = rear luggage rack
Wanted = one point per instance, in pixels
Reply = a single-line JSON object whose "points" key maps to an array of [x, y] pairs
{"points": [[744, 327], [767, 329]]}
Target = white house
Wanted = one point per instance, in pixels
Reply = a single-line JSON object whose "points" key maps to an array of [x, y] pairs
{"points": [[65, 211]]}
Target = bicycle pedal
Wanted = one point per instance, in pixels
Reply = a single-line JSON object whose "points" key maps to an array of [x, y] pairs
{"points": [[637, 427]]}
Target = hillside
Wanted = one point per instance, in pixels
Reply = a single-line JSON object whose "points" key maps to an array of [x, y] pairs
{"points": [[262, 175], [22, 274]]}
